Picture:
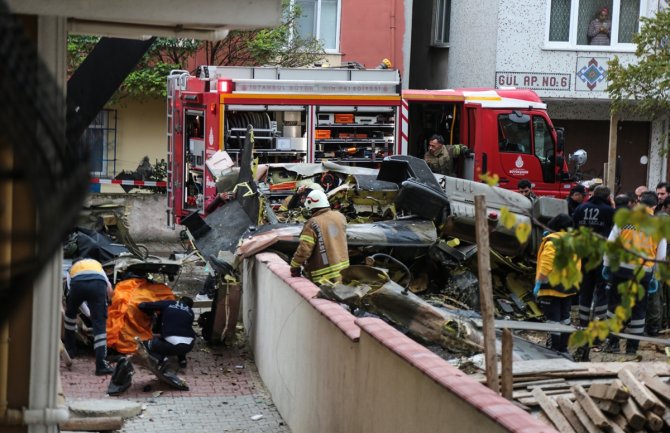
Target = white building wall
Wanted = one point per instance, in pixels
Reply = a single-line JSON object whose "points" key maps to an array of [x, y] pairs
{"points": [[497, 43], [472, 52]]}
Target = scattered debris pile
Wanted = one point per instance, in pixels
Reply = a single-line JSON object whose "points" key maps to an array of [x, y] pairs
{"points": [[599, 397]]}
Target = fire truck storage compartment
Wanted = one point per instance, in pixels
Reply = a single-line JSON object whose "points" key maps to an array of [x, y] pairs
{"points": [[280, 128], [430, 118], [194, 161], [356, 134]]}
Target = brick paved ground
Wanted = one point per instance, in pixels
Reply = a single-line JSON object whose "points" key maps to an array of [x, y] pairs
{"points": [[225, 393]]}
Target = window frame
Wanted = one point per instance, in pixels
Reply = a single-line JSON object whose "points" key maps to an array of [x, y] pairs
{"points": [[106, 121], [571, 43], [317, 30], [435, 41]]}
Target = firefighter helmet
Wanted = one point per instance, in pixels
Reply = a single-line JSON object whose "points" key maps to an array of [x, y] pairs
{"points": [[316, 200]]}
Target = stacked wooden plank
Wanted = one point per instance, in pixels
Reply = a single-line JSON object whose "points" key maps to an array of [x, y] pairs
{"points": [[634, 401]]}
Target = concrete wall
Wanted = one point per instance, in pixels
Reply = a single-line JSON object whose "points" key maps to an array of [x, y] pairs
{"points": [[330, 372], [473, 43], [145, 213]]}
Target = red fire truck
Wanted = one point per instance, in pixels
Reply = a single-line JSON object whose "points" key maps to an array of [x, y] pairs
{"points": [[508, 131], [298, 115], [349, 116]]}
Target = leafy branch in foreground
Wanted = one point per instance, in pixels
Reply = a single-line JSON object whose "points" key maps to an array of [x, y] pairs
{"points": [[590, 248]]}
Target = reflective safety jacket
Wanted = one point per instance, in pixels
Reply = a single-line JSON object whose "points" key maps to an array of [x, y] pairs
{"points": [[545, 265], [323, 250], [88, 269], [634, 239], [443, 162]]}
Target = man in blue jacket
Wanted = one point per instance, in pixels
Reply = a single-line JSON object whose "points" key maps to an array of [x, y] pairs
{"points": [[177, 336], [597, 214]]}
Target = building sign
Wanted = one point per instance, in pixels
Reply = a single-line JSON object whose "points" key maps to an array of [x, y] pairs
{"points": [[591, 74], [533, 80]]}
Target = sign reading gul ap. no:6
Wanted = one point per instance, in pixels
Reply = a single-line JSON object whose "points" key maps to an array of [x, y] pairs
{"points": [[533, 80]]}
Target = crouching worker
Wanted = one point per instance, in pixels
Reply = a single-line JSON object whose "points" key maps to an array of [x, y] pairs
{"points": [[177, 336], [87, 282], [323, 249], [554, 301]]}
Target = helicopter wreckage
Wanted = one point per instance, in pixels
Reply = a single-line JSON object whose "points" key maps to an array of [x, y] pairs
{"points": [[411, 240]]}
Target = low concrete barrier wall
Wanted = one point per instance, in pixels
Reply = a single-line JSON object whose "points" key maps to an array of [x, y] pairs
{"points": [[330, 372], [145, 213]]}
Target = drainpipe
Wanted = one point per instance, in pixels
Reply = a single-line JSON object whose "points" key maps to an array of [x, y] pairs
{"points": [[7, 416]]}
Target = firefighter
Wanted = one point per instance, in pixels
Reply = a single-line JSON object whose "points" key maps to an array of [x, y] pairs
{"points": [[177, 336], [440, 157], [88, 282], [554, 301], [597, 214], [633, 238], [323, 250]]}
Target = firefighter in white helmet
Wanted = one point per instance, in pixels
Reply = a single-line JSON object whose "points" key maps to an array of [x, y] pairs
{"points": [[323, 250]]}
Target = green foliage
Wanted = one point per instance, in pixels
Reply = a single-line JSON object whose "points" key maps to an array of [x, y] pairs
{"points": [[158, 174], [280, 46], [647, 81]]}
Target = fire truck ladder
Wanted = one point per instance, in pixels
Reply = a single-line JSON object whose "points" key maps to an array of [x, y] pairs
{"points": [[176, 80]]}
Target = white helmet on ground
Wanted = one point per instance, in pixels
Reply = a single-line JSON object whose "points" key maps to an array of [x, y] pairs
{"points": [[317, 200]]}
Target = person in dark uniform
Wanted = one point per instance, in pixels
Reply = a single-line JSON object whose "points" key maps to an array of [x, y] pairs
{"points": [[177, 336], [576, 197], [597, 214], [87, 282]]}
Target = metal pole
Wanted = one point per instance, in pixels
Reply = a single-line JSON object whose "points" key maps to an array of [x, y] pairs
{"points": [[611, 154]]}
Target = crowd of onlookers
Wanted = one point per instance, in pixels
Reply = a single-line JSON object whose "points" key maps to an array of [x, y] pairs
{"points": [[597, 295]]}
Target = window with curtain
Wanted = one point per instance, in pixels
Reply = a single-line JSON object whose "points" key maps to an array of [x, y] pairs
{"points": [[320, 19], [594, 23]]}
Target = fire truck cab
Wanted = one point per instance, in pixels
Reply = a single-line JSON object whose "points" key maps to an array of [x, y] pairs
{"points": [[508, 132], [346, 116]]}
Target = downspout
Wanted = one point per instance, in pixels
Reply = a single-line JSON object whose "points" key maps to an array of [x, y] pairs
{"points": [[7, 416], [393, 28]]}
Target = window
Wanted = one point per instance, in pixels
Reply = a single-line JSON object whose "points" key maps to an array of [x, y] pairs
{"points": [[100, 137], [442, 9], [544, 143], [514, 133], [320, 19], [593, 24]]}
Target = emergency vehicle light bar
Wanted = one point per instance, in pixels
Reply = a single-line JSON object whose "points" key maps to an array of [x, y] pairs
{"points": [[225, 86]]}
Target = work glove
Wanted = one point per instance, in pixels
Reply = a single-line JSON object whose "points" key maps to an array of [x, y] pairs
{"points": [[607, 273], [536, 289], [653, 286], [296, 272]]}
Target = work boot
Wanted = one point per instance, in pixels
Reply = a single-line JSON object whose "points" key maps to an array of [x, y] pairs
{"points": [[582, 353], [182, 362], [611, 346], [70, 343], [162, 364], [102, 367], [631, 347]]}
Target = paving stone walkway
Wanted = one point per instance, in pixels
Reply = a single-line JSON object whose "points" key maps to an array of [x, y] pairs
{"points": [[226, 394]]}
